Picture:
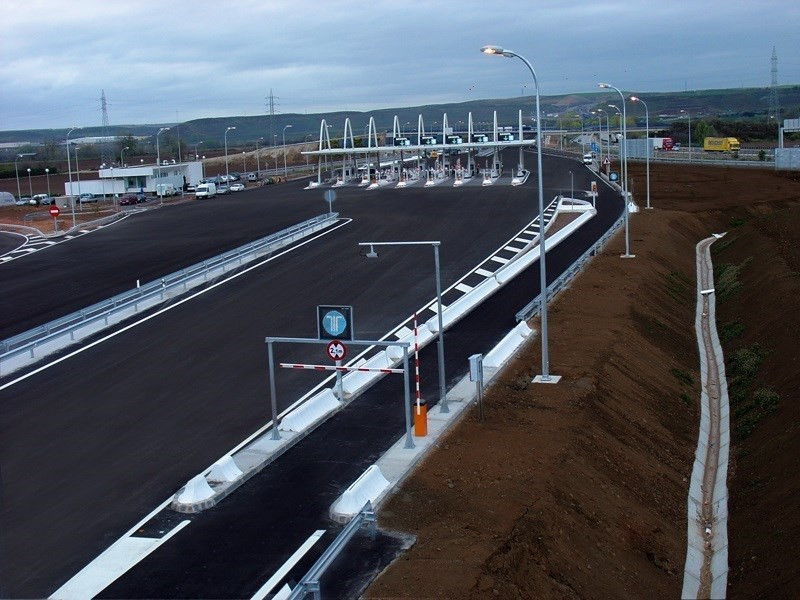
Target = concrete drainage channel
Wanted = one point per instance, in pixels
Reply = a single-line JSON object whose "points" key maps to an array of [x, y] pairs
{"points": [[706, 571], [31, 346]]}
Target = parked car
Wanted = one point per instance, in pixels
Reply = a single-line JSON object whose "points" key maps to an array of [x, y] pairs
{"points": [[141, 197], [42, 199], [87, 197], [205, 190], [252, 177], [237, 187], [234, 176], [24, 201], [191, 188], [128, 200], [223, 189]]}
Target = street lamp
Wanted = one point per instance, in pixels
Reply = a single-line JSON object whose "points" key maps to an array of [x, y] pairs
{"points": [[622, 167], [285, 171], [47, 172], [647, 146], [78, 172], [158, 171], [227, 176], [195, 149], [258, 159], [16, 170], [689, 116], [545, 377], [30, 184], [372, 254], [69, 169], [623, 147], [122, 156], [608, 128], [244, 162]]}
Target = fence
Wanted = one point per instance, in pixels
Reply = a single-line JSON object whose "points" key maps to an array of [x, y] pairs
{"points": [[30, 346]]}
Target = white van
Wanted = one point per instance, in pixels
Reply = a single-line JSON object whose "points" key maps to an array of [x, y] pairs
{"points": [[588, 159], [42, 199], [205, 190], [166, 189]]}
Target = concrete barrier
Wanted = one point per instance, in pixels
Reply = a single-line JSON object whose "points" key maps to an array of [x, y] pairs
{"points": [[368, 487], [507, 346], [224, 470], [310, 412], [196, 490]]}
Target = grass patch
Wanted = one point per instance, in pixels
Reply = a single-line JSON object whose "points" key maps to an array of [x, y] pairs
{"points": [[737, 221], [726, 279], [731, 331], [685, 398], [678, 287], [682, 376], [763, 402]]}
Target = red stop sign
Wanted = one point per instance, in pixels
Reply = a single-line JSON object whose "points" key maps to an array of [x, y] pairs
{"points": [[54, 212]]}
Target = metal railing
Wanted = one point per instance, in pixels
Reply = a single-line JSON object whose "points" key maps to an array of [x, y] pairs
{"points": [[309, 584], [532, 308], [98, 316]]}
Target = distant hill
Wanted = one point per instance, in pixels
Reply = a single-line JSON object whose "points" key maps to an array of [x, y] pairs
{"points": [[739, 103]]}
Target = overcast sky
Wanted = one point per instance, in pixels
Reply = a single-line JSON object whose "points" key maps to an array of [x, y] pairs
{"points": [[164, 61]]}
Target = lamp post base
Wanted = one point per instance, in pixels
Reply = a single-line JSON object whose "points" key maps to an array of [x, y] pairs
{"points": [[648, 208], [550, 379], [627, 256]]}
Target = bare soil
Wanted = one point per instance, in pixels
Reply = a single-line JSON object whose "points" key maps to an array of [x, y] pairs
{"points": [[579, 490]]}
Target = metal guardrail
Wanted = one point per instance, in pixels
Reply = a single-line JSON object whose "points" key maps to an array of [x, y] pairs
{"points": [[309, 584], [97, 316], [532, 308]]}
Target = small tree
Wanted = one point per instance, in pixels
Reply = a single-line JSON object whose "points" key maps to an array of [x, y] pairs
{"points": [[703, 130]]}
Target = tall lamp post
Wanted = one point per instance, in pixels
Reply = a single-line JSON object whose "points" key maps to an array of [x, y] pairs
{"points": [[195, 150], [47, 172], [647, 146], [608, 128], [69, 169], [244, 162], [689, 116], [258, 159], [545, 377], [78, 172], [16, 170], [30, 183], [122, 156], [158, 161], [285, 171], [442, 380], [227, 176], [622, 166]]}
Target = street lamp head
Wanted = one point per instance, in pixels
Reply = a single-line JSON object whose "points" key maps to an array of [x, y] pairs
{"points": [[634, 99], [604, 85], [492, 49], [163, 129]]}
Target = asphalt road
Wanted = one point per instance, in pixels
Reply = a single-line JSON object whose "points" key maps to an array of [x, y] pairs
{"points": [[93, 443], [77, 273], [10, 241], [228, 552]]}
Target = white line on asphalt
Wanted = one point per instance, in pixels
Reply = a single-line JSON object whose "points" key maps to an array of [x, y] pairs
{"points": [[463, 287], [483, 272], [165, 309], [288, 565]]}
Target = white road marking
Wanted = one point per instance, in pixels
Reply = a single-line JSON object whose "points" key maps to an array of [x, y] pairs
{"points": [[512, 249], [500, 259], [483, 272], [463, 287], [114, 562], [288, 565], [523, 240]]}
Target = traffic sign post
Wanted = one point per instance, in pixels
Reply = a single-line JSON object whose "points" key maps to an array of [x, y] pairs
{"points": [[607, 164], [336, 351], [54, 212], [334, 322], [594, 193], [330, 196]]}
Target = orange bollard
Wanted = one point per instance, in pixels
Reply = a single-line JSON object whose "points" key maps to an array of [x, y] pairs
{"points": [[420, 419]]}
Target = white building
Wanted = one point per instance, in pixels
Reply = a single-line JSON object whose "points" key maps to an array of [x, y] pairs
{"points": [[142, 178]]}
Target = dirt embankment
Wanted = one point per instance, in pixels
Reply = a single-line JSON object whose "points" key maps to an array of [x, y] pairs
{"points": [[579, 489]]}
